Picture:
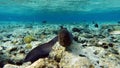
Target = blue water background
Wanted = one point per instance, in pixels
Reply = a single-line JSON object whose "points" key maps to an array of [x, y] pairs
{"points": [[65, 16]]}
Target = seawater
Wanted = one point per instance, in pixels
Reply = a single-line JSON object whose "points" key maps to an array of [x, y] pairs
{"points": [[62, 17]]}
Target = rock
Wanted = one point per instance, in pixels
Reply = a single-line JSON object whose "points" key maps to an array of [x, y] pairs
{"points": [[111, 44], [68, 59], [17, 66], [75, 34], [1, 48], [37, 64], [116, 27], [11, 66], [76, 29], [72, 61], [82, 39], [8, 35], [115, 32], [29, 26], [13, 49], [19, 57], [105, 46], [75, 38], [57, 52], [44, 63]]}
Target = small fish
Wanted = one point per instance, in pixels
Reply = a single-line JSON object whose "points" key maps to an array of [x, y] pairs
{"points": [[118, 22], [41, 51], [96, 25], [44, 22]]}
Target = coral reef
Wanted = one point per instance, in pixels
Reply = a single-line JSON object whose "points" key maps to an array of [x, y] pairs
{"points": [[93, 47], [28, 46], [28, 39], [76, 30]]}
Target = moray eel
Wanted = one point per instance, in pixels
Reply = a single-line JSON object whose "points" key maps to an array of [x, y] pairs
{"points": [[64, 37], [41, 51]]}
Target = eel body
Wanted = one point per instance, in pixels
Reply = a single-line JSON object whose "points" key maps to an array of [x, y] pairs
{"points": [[41, 51]]}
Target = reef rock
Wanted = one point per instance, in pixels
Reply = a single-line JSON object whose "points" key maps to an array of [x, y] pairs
{"points": [[44, 63], [11, 66], [68, 59], [17, 66], [73, 61], [57, 52], [115, 32], [75, 29]]}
